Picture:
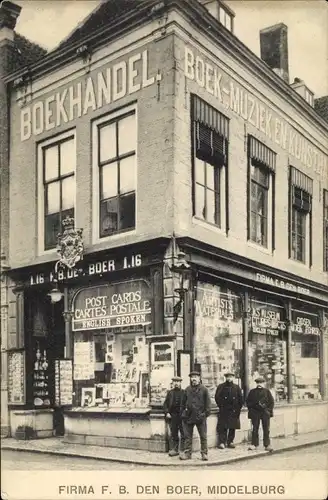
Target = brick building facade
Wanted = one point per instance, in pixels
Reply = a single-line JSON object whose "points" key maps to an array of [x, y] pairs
{"points": [[158, 132]]}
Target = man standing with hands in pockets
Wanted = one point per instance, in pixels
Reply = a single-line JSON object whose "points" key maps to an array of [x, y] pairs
{"points": [[195, 409], [172, 410], [260, 405]]}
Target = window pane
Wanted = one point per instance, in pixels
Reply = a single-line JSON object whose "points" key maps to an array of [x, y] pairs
{"points": [[210, 172], [218, 336], [108, 216], [127, 174], [127, 135], [222, 16], [52, 198], [200, 201], [67, 157], [210, 206], [228, 22], [109, 181], [107, 139], [199, 171], [51, 230], [127, 211], [68, 192], [51, 163]]}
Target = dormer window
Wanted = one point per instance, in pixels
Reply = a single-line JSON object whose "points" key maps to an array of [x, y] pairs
{"points": [[221, 12], [309, 97]]}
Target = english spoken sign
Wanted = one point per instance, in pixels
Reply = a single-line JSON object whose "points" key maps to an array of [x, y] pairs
{"points": [[112, 306]]}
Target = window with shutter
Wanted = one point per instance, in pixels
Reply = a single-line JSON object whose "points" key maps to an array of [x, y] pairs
{"points": [[210, 174]]}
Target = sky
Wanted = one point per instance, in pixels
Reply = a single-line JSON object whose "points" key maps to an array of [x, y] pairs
{"points": [[47, 22]]}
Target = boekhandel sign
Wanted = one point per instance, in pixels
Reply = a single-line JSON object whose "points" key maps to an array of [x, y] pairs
{"points": [[116, 306]]}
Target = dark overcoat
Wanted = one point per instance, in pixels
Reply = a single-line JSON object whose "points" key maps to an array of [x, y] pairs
{"points": [[196, 404], [259, 402], [229, 399]]}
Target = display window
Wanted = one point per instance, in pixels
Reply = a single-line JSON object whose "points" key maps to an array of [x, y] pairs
{"points": [[218, 334], [305, 354], [267, 346], [111, 370], [111, 352]]}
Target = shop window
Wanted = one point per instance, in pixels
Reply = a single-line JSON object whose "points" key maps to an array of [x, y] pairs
{"points": [[305, 354], [261, 169], [210, 170], [218, 334], [300, 217], [111, 352], [325, 230], [267, 331], [117, 173], [58, 171]]}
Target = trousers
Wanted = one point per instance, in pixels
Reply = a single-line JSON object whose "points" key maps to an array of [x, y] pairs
{"points": [[176, 427], [188, 433], [265, 420], [226, 436]]}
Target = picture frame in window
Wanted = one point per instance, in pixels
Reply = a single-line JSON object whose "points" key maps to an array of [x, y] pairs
{"points": [[162, 353], [88, 396]]}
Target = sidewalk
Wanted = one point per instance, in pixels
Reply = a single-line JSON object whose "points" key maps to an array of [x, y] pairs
{"points": [[56, 446]]}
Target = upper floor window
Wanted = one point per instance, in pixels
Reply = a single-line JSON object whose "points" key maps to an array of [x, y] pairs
{"points": [[300, 218], [325, 230], [261, 171], [210, 145], [58, 172], [309, 97], [116, 146], [225, 18]]}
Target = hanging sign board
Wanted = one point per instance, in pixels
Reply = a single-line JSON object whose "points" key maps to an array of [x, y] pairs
{"points": [[114, 306], [63, 382], [16, 378]]}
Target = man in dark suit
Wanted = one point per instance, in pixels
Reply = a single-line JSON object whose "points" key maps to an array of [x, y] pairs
{"points": [[195, 408], [229, 399], [172, 407], [260, 405]]}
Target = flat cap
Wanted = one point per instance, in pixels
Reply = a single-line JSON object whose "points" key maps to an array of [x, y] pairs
{"points": [[229, 374], [191, 374], [176, 379], [259, 379]]}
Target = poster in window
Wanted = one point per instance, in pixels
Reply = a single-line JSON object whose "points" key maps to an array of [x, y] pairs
{"points": [[16, 377], [88, 396], [63, 382], [162, 353]]}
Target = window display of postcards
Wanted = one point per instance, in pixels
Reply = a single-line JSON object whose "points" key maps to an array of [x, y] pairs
{"points": [[162, 353], [160, 379], [84, 359]]}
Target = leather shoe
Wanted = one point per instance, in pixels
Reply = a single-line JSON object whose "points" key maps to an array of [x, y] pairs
{"points": [[231, 445], [204, 457], [173, 453], [221, 446], [183, 456]]}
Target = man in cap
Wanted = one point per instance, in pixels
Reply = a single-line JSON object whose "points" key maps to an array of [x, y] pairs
{"points": [[172, 406], [195, 409], [229, 399], [260, 405]]}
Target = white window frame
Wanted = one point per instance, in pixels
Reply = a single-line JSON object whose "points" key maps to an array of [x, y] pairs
{"points": [[95, 177], [268, 246], [40, 187]]}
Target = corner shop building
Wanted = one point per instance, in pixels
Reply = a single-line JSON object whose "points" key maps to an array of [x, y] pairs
{"points": [[242, 312]]}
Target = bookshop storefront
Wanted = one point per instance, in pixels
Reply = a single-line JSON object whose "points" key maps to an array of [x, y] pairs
{"points": [[257, 321], [93, 364]]}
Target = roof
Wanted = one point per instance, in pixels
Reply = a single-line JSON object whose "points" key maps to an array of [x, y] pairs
{"points": [[26, 52], [321, 107], [106, 12]]}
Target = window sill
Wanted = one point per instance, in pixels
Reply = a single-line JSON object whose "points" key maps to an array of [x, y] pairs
{"points": [[258, 247], [208, 225], [114, 236], [300, 264]]}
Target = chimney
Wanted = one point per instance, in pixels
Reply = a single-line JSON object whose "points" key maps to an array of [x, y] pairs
{"points": [[9, 13], [274, 49], [321, 107]]}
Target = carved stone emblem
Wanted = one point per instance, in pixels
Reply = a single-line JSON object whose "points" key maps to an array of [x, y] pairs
{"points": [[70, 244]]}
